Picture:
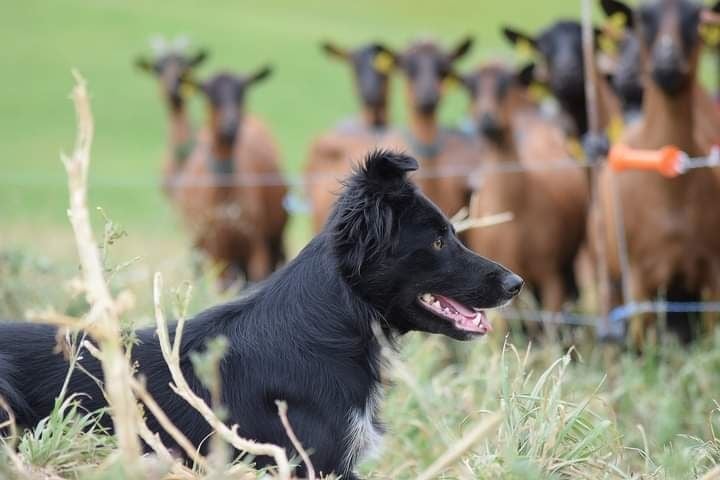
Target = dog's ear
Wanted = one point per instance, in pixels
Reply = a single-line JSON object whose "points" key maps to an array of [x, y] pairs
{"points": [[387, 166], [365, 215]]}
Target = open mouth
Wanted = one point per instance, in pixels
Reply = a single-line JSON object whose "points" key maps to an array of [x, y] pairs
{"points": [[471, 320]]}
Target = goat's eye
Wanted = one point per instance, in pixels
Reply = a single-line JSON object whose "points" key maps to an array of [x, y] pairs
{"points": [[439, 244]]}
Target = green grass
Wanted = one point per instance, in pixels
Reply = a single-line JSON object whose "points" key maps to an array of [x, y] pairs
{"points": [[564, 415]]}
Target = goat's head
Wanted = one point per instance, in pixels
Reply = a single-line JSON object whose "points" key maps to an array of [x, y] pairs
{"points": [[668, 32], [624, 64], [426, 67], [172, 69], [225, 93], [560, 55], [497, 92], [371, 64]]}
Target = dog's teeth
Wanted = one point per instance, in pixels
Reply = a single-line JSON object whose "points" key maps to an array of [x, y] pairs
{"points": [[436, 304], [427, 298]]}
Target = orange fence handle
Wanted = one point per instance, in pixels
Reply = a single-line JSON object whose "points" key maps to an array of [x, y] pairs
{"points": [[665, 161]]}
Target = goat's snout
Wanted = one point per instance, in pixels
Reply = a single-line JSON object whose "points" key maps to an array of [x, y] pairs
{"points": [[228, 126], [567, 73], [427, 96], [669, 68], [489, 126], [427, 103], [371, 90], [171, 83]]}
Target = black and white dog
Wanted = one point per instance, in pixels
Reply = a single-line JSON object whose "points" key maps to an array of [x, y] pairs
{"points": [[387, 257]]}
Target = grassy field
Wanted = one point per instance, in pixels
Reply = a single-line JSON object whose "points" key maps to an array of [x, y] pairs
{"points": [[578, 416]]}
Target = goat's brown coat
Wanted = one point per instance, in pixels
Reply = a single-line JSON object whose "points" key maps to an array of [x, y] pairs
{"points": [[237, 219], [548, 205]]}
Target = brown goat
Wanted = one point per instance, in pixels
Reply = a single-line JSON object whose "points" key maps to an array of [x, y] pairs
{"points": [[331, 155], [446, 157], [231, 192], [626, 73], [671, 227], [172, 68], [548, 205]]}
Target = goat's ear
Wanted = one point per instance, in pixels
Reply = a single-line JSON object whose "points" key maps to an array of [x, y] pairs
{"points": [[619, 13], [461, 49], [261, 74], [199, 57], [387, 166], [519, 39], [526, 75], [335, 51], [144, 64]]}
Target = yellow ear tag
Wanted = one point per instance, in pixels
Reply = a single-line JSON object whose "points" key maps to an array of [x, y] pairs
{"points": [[450, 82], [710, 35], [615, 129], [186, 89], [617, 22], [608, 45], [538, 92], [524, 48], [383, 62]]}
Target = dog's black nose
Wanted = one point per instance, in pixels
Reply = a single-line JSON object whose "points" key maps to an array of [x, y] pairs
{"points": [[512, 284]]}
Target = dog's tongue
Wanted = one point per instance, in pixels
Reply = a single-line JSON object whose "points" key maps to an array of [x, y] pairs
{"points": [[459, 307]]}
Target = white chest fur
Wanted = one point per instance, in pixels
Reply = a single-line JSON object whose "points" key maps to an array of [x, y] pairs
{"points": [[364, 438]]}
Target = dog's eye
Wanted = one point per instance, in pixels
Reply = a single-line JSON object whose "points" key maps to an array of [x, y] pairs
{"points": [[438, 244]]}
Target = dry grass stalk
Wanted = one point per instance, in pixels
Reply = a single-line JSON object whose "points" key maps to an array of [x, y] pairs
{"points": [[282, 411], [9, 442], [171, 354], [464, 224], [167, 425], [456, 451], [713, 474], [153, 439], [102, 319]]}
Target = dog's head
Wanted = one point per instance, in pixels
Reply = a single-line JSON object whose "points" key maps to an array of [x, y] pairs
{"points": [[401, 254]]}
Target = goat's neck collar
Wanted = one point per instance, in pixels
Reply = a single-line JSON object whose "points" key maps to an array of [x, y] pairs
{"points": [[358, 126], [221, 160], [422, 149]]}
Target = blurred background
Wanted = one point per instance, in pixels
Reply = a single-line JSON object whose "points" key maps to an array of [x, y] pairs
{"points": [[307, 93]]}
